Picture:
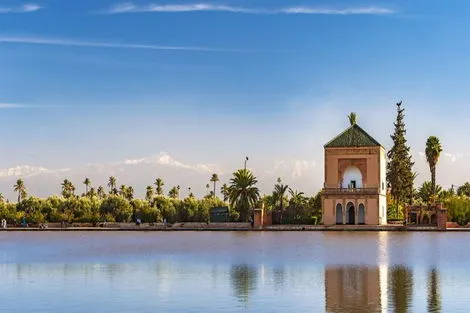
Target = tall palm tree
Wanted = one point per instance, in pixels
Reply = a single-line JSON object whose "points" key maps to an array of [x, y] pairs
{"points": [[433, 151], [149, 193], [214, 179], [207, 187], [112, 184], [2, 198], [20, 189], [279, 192], [225, 192], [243, 193], [159, 183], [101, 193], [352, 118], [87, 184]]}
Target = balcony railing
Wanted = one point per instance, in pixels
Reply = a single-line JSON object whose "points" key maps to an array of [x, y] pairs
{"points": [[340, 191]]}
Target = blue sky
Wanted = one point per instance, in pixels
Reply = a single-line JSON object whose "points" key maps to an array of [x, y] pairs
{"points": [[206, 83]]}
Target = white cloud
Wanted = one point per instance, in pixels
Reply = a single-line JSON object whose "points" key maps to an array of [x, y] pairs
{"points": [[197, 7], [165, 159], [10, 106], [95, 44], [25, 8], [27, 170]]}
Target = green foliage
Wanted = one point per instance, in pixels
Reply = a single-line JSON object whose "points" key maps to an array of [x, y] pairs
{"points": [[145, 212], [399, 168], [243, 193], [352, 117], [458, 209], [427, 194], [433, 151], [117, 207], [464, 190]]}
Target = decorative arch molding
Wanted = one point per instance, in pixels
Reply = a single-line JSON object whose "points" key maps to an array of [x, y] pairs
{"points": [[361, 164]]}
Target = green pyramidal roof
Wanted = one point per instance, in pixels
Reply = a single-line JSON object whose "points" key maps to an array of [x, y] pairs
{"points": [[354, 136]]}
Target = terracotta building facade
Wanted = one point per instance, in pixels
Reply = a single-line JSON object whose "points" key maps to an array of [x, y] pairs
{"points": [[355, 180]]}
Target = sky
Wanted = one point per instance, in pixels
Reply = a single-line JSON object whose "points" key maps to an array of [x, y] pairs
{"points": [[181, 89]]}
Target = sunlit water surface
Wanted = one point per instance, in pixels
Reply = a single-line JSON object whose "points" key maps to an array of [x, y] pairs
{"points": [[234, 272]]}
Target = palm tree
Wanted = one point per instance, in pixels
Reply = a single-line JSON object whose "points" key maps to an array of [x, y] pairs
{"points": [[149, 193], [112, 185], [433, 151], [207, 187], [159, 183], [2, 198], [68, 189], [224, 191], [122, 190], [100, 192], [214, 179], [352, 118], [92, 192], [279, 192], [87, 184], [20, 189], [243, 194], [130, 193], [174, 192]]}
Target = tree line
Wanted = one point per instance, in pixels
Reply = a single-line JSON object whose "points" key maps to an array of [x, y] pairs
{"points": [[118, 204]]}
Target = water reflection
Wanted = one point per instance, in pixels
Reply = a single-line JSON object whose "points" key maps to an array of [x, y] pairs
{"points": [[434, 297], [244, 280], [400, 288], [352, 289]]}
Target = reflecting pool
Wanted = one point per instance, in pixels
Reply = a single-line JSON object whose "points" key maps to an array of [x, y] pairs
{"points": [[234, 272]]}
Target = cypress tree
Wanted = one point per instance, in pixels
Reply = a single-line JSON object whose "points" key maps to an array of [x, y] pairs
{"points": [[400, 176]]}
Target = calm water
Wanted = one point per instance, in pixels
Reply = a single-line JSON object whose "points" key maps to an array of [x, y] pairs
{"points": [[234, 272]]}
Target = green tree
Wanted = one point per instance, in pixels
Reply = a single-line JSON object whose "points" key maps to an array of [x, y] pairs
{"points": [[2, 198], [149, 194], [399, 168], [68, 189], [243, 193], [116, 207], [101, 193], [214, 179], [426, 192], [352, 118], [87, 184], [174, 192], [433, 151], [20, 188], [464, 190], [130, 193], [159, 186], [112, 185], [225, 192], [279, 193]]}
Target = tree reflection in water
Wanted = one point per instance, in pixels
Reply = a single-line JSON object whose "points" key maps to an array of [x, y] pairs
{"points": [[434, 297], [244, 280], [401, 288]]}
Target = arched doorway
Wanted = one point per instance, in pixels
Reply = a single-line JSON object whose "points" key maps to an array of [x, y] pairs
{"points": [[361, 214], [350, 214], [339, 214]]}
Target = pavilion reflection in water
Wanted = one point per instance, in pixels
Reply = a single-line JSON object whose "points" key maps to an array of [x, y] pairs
{"points": [[352, 289]]}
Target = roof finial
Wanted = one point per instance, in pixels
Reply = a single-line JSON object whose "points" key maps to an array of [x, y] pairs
{"points": [[352, 118]]}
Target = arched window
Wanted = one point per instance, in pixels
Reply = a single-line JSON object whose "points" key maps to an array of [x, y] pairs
{"points": [[339, 213], [361, 214], [350, 213], [352, 178]]}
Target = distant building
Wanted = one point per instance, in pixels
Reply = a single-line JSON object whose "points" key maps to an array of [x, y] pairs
{"points": [[355, 180], [219, 215]]}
